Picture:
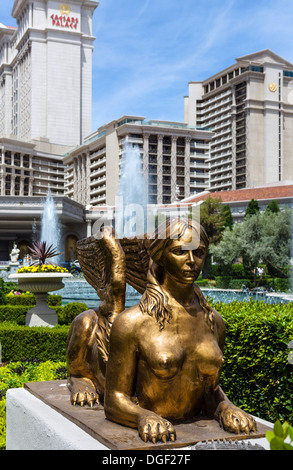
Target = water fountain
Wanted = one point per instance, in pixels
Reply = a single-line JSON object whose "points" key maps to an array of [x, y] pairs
{"points": [[41, 283], [50, 228], [130, 220], [131, 211]]}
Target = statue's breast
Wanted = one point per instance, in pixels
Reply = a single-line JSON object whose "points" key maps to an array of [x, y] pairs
{"points": [[165, 362], [209, 356]]}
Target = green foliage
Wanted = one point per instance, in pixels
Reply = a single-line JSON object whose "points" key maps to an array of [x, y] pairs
{"points": [[67, 313], [228, 282], [260, 239], [2, 294], [16, 313], [13, 313], [278, 436], [211, 218], [227, 216], [23, 299], [273, 206], [256, 374], [38, 343], [223, 282], [34, 343], [252, 208], [28, 298], [16, 374]]}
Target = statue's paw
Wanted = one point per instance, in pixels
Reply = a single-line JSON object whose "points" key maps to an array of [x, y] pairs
{"points": [[233, 419], [83, 392], [153, 428]]}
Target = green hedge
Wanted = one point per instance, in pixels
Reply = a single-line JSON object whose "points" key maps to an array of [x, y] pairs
{"points": [[33, 343], [229, 282], [66, 313], [29, 299], [236, 271], [257, 375], [13, 313]]}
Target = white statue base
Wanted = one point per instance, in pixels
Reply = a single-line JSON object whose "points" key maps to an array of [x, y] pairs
{"points": [[13, 267], [33, 425]]}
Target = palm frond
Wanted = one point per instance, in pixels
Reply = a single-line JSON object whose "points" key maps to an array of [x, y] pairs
{"points": [[41, 252]]}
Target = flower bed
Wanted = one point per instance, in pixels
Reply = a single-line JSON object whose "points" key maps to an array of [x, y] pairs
{"points": [[44, 268]]}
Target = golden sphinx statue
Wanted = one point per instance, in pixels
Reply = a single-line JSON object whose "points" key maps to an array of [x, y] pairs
{"points": [[157, 363]]}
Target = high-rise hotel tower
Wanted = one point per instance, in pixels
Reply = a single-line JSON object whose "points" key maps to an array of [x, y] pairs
{"points": [[46, 71], [249, 107], [45, 92]]}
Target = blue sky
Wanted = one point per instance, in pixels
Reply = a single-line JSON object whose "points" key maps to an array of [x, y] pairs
{"points": [[147, 51]]}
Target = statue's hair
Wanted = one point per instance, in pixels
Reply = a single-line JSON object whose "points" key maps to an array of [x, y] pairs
{"points": [[154, 301]]}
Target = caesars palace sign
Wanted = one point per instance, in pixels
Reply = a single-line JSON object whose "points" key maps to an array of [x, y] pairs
{"points": [[64, 19]]}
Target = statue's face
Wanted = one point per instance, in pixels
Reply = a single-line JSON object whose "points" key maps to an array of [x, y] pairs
{"points": [[182, 263]]}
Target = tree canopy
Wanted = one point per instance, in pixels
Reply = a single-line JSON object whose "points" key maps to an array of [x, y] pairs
{"points": [[211, 218], [262, 238], [273, 206], [252, 208], [227, 216]]}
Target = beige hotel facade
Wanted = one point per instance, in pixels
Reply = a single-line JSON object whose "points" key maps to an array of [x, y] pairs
{"points": [[174, 161], [249, 107]]}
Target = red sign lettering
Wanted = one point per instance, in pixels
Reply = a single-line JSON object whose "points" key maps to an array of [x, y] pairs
{"points": [[64, 21]]}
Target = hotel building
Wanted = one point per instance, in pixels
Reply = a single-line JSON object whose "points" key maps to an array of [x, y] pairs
{"points": [[45, 93], [45, 111], [249, 106], [174, 161]]}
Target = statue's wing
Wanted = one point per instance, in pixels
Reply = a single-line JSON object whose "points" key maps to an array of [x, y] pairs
{"points": [[107, 264], [103, 264], [137, 259]]}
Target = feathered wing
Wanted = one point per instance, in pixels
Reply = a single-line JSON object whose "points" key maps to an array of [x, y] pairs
{"points": [[103, 264], [108, 263], [137, 259]]}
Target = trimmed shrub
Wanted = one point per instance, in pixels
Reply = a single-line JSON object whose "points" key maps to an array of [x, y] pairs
{"points": [[257, 375], [34, 343], [239, 283], [29, 299], [13, 313], [281, 285], [67, 313], [223, 282], [236, 271]]}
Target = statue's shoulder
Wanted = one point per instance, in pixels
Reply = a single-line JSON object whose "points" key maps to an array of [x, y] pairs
{"points": [[129, 319]]}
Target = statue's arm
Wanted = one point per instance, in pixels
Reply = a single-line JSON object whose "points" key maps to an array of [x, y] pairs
{"points": [[120, 384], [120, 375]]}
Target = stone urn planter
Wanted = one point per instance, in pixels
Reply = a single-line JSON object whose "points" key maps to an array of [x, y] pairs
{"points": [[40, 284]]}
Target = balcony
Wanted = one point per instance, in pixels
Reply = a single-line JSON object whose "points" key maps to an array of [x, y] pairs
{"points": [[98, 172], [97, 163], [199, 166]]}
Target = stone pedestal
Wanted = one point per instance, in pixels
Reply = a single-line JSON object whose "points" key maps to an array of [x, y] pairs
{"points": [[40, 284], [41, 314], [41, 417], [33, 425], [13, 267]]}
